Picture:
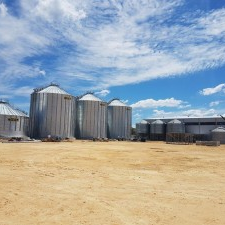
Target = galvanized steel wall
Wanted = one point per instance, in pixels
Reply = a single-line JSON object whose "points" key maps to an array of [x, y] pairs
{"points": [[13, 126], [91, 119], [175, 126], [157, 127], [142, 128], [218, 135], [119, 122], [52, 114]]}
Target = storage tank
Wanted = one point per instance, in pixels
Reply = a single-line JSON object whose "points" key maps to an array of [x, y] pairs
{"points": [[119, 120], [157, 130], [218, 134], [157, 127], [175, 126], [52, 113], [13, 122], [91, 117], [143, 128]]}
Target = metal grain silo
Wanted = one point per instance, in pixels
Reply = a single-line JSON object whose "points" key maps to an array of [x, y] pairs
{"points": [[157, 130], [52, 112], [175, 126], [91, 117], [218, 134], [143, 129], [119, 120], [13, 122]]}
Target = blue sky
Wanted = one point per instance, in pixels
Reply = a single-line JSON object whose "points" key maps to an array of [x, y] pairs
{"points": [[165, 58]]}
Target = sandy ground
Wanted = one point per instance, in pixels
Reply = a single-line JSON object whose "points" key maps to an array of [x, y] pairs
{"points": [[116, 183]]}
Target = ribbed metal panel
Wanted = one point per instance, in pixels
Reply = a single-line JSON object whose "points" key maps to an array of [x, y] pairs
{"points": [[11, 126], [13, 122], [119, 121], [142, 128], [175, 126], [91, 119], [157, 127], [218, 134], [52, 114]]}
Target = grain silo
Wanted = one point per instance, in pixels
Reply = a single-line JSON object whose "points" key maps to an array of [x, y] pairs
{"points": [[157, 130], [175, 126], [143, 129], [91, 117], [218, 134], [52, 112], [119, 120], [13, 122]]}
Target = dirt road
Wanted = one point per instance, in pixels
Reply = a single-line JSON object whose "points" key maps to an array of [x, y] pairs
{"points": [[111, 183]]}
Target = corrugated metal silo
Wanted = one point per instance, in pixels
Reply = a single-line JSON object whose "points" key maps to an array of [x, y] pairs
{"points": [[175, 126], [13, 122], [157, 130], [52, 112], [91, 117], [218, 134], [119, 119], [142, 127], [157, 127]]}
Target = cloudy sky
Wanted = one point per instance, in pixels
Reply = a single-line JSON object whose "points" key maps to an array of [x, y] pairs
{"points": [[165, 58]]}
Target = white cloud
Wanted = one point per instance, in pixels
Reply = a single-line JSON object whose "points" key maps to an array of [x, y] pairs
{"points": [[187, 113], [113, 42], [215, 103], [214, 90], [42, 72], [3, 10], [55, 10], [102, 93], [9, 91], [151, 103]]}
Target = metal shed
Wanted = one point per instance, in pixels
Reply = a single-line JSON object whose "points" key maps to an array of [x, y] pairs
{"points": [[52, 112], [13, 122]]}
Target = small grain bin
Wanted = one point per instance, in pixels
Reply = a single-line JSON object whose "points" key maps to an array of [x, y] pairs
{"points": [[143, 129], [119, 119], [52, 112], [218, 134], [13, 122], [175, 126], [157, 130], [91, 117]]}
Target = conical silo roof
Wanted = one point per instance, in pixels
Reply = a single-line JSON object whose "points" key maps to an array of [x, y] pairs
{"points": [[116, 102], [53, 88], [157, 122], [219, 130], [90, 97], [175, 121], [144, 122], [7, 109]]}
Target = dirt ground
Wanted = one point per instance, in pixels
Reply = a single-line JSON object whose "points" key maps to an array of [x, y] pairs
{"points": [[116, 183]]}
